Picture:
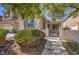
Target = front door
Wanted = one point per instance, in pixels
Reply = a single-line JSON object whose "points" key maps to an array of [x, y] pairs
{"points": [[54, 30]]}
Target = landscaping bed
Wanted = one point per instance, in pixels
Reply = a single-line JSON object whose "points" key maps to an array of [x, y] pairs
{"points": [[31, 41], [71, 47], [35, 49]]}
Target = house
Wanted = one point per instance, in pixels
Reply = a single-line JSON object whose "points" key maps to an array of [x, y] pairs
{"points": [[57, 27], [50, 28], [11, 23]]}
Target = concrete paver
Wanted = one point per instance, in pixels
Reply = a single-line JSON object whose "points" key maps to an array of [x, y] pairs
{"points": [[54, 47]]}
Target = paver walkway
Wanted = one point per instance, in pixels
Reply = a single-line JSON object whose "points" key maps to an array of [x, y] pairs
{"points": [[54, 47]]}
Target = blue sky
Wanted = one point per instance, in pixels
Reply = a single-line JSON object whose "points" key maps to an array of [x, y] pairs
{"points": [[69, 10], [1, 10]]}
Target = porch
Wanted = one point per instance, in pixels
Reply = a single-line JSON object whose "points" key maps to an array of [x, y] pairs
{"points": [[53, 29]]}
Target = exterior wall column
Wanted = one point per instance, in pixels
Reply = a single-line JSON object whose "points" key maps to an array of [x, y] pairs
{"points": [[61, 30], [37, 23], [11, 14], [47, 30], [21, 24], [3, 17]]}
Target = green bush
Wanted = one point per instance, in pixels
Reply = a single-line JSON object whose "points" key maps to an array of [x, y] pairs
{"points": [[3, 34], [72, 47], [27, 36], [38, 34]]}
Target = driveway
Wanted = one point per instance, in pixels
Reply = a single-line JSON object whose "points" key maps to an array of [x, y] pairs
{"points": [[73, 35]]}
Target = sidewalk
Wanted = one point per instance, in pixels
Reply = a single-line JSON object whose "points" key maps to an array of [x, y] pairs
{"points": [[54, 47]]}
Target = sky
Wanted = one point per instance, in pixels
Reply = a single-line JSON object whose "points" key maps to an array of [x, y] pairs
{"points": [[69, 10], [1, 10]]}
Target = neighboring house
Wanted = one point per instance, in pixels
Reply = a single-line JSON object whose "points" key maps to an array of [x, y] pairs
{"points": [[11, 23]]}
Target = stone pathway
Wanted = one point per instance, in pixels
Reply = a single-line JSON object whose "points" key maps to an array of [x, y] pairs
{"points": [[54, 47]]}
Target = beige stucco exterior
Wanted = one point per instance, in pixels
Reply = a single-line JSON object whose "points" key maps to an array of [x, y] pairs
{"points": [[11, 24], [71, 22]]}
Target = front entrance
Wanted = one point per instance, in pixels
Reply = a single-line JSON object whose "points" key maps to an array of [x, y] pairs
{"points": [[53, 30]]}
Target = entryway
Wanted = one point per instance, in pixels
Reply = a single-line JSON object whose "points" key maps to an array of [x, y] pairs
{"points": [[53, 30]]}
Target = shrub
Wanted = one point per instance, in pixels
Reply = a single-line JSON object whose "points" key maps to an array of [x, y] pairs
{"points": [[27, 36], [38, 34], [3, 33], [72, 47]]}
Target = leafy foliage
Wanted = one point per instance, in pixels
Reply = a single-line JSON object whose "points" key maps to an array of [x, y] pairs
{"points": [[2, 36], [27, 36], [31, 10], [57, 9], [38, 34], [26, 11], [72, 47], [3, 32]]}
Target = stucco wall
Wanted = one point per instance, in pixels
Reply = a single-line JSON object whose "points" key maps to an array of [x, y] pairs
{"points": [[71, 22], [6, 25], [10, 25]]}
